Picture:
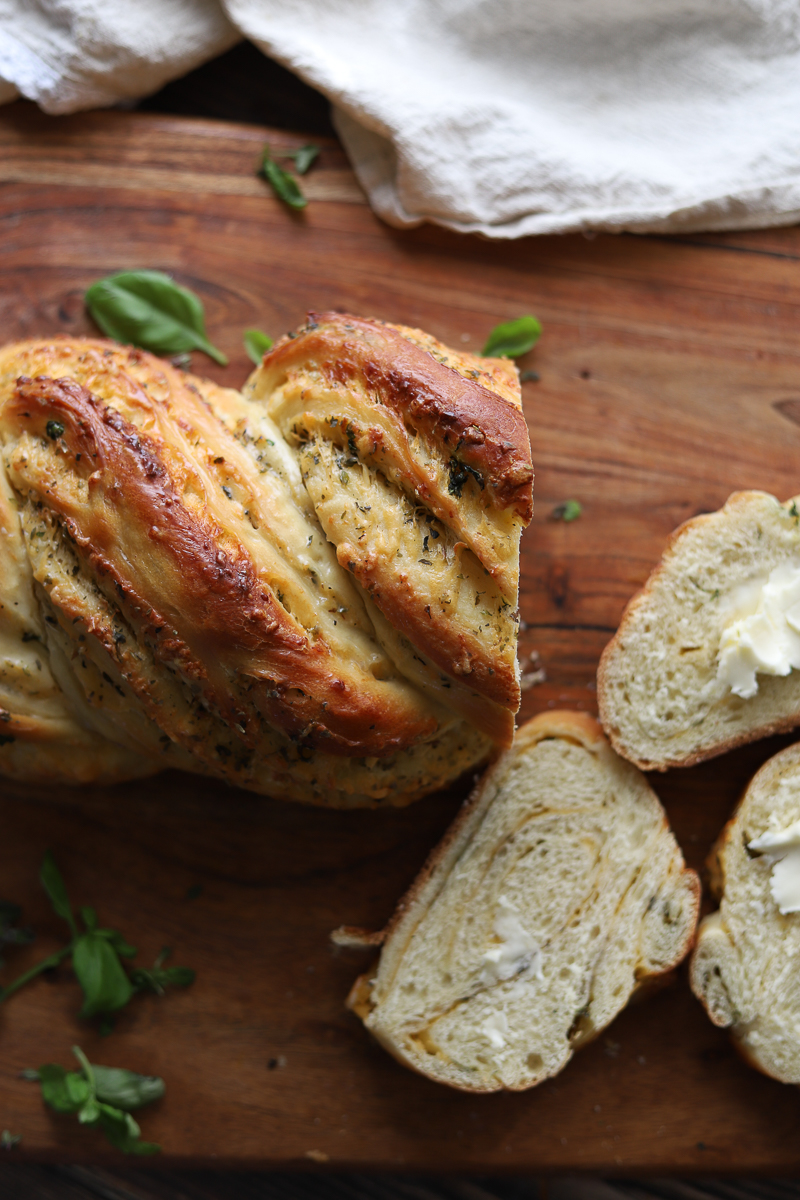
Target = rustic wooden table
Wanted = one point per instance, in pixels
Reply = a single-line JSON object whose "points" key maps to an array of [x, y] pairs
{"points": [[668, 376]]}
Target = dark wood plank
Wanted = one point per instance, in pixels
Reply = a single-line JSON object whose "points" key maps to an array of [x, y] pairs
{"points": [[665, 370]]}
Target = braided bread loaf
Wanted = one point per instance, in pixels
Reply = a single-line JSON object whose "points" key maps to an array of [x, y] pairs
{"points": [[308, 589]]}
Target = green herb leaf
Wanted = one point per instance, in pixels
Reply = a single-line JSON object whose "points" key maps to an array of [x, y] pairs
{"points": [[256, 344], [89, 1093], [89, 918], [64, 1091], [284, 185], [150, 310], [304, 158], [95, 955], [570, 510], [54, 429], [513, 338], [157, 979], [123, 1132], [126, 1089], [9, 1140], [120, 944], [106, 987], [53, 884]]}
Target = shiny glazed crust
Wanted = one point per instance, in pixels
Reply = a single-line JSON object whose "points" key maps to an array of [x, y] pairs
{"points": [[175, 591]]}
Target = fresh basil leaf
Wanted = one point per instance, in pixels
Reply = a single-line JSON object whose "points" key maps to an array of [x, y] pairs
{"points": [[305, 157], [150, 310], [123, 1132], [89, 1113], [120, 944], [105, 985], [64, 1091], [126, 1089], [284, 185], [570, 510], [513, 338], [89, 918], [53, 883], [157, 979], [256, 344]]}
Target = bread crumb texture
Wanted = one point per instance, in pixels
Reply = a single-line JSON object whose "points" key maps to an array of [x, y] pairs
{"points": [[556, 893], [747, 960], [660, 699]]}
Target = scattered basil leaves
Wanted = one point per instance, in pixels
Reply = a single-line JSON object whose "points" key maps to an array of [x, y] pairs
{"points": [[304, 158], [158, 977], [53, 883], [256, 344], [96, 958], [284, 185], [570, 510], [150, 310], [102, 1097], [513, 338]]}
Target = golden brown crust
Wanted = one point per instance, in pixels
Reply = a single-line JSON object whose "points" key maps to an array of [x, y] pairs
{"points": [[160, 550], [471, 424]]}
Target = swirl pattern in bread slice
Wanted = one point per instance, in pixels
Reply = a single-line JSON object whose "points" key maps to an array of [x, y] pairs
{"points": [[182, 601], [746, 963], [662, 703], [557, 893]]}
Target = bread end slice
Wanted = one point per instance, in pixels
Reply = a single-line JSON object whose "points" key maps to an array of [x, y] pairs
{"points": [[746, 963], [557, 893], [661, 703]]}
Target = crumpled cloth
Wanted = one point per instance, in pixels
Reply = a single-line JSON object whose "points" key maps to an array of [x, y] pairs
{"points": [[504, 117]]}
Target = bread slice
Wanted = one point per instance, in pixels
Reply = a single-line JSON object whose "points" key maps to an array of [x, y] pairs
{"points": [[661, 702], [747, 961], [554, 895]]}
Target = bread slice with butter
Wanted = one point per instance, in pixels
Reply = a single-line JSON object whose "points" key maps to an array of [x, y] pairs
{"points": [[706, 654], [557, 892], [746, 964]]}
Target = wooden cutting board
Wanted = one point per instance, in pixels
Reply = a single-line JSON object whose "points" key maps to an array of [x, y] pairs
{"points": [[669, 376]]}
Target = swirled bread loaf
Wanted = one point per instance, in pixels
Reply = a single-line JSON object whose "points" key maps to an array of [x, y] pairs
{"points": [[308, 589], [557, 893]]}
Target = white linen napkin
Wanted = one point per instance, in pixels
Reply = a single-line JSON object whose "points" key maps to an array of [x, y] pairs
{"points": [[504, 117], [68, 55]]}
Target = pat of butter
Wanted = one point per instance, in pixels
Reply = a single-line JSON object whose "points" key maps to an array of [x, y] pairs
{"points": [[782, 850], [765, 641], [495, 1028], [515, 951]]}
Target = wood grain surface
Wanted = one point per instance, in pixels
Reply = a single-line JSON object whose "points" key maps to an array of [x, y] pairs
{"points": [[669, 376]]}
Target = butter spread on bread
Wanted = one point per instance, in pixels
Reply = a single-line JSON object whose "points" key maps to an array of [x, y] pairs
{"points": [[703, 658], [557, 893], [747, 960], [308, 589], [763, 638]]}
